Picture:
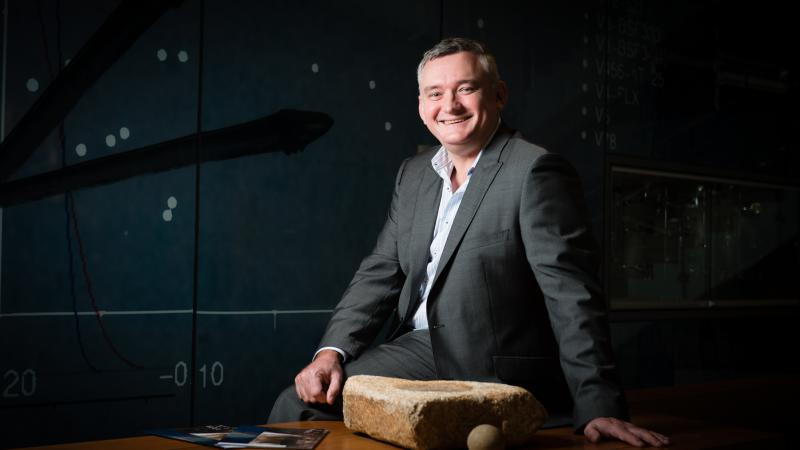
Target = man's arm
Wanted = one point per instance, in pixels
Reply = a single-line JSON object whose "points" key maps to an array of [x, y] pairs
{"points": [[562, 253]]}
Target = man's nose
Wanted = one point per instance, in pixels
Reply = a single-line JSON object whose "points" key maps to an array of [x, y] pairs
{"points": [[452, 102]]}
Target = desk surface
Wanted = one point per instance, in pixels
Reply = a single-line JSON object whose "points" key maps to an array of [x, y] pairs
{"points": [[713, 416], [685, 434]]}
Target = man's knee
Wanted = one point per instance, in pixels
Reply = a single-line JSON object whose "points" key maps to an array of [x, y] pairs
{"points": [[289, 408]]}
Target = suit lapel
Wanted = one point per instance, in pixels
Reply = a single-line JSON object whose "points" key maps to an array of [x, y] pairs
{"points": [[425, 209], [479, 183]]}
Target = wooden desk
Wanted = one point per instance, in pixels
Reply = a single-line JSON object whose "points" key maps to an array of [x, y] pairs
{"points": [[685, 434], [728, 415]]}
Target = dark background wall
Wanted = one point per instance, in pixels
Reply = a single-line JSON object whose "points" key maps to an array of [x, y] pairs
{"points": [[225, 273]]}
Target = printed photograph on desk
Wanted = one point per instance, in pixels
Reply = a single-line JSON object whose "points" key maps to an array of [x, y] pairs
{"points": [[264, 437], [209, 435]]}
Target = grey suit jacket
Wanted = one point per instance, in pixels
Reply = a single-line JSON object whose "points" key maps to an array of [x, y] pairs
{"points": [[516, 290]]}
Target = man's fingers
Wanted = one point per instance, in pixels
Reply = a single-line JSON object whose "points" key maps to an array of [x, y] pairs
{"points": [[319, 397], [300, 386], [308, 384], [624, 431], [617, 429], [591, 433], [650, 437], [626, 436], [335, 386], [316, 389], [663, 438]]}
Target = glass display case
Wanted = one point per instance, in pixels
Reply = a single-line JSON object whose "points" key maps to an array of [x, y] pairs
{"points": [[692, 241]]}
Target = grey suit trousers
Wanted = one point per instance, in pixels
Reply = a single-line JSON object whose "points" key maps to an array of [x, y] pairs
{"points": [[409, 356]]}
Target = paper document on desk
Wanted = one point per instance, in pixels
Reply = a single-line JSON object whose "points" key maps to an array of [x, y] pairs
{"points": [[262, 437], [224, 436], [208, 435]]}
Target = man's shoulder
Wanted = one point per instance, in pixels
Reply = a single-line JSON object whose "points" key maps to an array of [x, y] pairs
{"points": [[520, 157], [520, 149]]}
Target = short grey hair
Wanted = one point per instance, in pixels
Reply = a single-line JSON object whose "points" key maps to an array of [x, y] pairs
{"points": [[450, 46]]}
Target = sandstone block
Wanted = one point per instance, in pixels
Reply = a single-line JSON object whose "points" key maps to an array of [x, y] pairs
{"points": [[438, 414]]}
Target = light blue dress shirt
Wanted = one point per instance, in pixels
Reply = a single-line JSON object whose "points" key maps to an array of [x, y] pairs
{"points": [[448, 207]]}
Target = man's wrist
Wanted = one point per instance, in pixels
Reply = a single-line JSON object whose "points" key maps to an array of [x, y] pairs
{"points": [[341, 356]]}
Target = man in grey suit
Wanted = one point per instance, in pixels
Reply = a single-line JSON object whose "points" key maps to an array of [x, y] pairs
{"points": [[485, 266]]}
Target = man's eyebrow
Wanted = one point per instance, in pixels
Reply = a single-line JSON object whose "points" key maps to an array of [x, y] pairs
{"points": [[471, 81]]}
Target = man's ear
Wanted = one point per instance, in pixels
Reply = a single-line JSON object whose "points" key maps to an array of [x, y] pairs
{"points": [[419, 108], [502, 94]]}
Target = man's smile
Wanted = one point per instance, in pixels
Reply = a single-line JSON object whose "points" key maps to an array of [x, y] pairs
{"points": [[454, 121]]}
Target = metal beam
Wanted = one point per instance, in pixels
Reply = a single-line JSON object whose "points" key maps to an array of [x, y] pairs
{"points": [[287, 130], [123, 26]]}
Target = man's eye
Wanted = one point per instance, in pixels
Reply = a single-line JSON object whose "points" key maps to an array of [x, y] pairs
{"points": [[467, 89], [434, 95]]}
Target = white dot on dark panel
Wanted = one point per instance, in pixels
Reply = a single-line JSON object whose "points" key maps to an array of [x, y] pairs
{"points": [[586, 39], [167, 215], [125, 233], [372, 84], [585, 63], [315, 67], [586, 15], [67, 61], [585, 87], [583, 135], [32, 84], [183, 56], [172, 202], [387, 126], [584, 111], [480, 23], [111, 140], [124, 133], [80, 149], [161, 54]]}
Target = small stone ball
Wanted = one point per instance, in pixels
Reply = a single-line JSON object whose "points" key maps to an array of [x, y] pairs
{"points": [[486, 437]]}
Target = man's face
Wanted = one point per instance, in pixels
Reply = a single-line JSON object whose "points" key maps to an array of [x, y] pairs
{"points": [[458, 103]]}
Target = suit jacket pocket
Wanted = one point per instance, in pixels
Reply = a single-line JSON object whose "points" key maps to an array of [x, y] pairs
{"points": [[484, 239]]}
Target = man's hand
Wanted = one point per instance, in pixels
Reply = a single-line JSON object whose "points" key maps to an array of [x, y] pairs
{"points": [[320, 381], [624, 431]]}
